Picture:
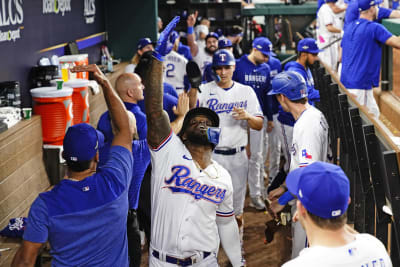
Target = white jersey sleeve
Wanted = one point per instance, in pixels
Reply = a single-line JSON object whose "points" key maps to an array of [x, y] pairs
{"points": [[310, 139], [225, 208]]}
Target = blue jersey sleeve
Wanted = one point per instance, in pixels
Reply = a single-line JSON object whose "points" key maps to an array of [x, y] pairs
{"points": [[37, 230], [383, 13], [380, 33], [119, 165]]}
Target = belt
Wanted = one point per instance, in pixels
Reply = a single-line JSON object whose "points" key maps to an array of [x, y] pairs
{"points": [[232, 151], [180, 262]]}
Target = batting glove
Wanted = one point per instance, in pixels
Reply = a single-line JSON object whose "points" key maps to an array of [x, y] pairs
{"points": [[164, 45]]}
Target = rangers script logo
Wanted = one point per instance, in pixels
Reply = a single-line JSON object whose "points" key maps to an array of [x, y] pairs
{"points": [[180, 182]]}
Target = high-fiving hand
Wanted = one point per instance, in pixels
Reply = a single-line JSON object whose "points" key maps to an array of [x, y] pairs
{"points": [[164, 45]]}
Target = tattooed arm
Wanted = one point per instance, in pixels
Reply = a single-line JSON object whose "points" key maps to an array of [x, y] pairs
{"points": [[158, 127]]}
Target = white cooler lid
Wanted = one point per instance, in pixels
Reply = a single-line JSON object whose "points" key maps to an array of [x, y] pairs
{"points": [[48, 92], [73, 58], [76, 83]]}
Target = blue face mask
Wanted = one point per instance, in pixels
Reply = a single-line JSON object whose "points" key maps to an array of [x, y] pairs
{"points": [[213, 135]]}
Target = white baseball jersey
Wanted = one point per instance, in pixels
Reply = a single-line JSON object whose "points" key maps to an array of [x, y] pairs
{"points": [[310, 141], [366, 250], [175, 70], [185, 201], [325, 16], [202, 59], [222, 101]]}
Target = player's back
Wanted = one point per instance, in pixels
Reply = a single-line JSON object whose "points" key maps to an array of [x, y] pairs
{"points": [[175, 70], [365, 250]]}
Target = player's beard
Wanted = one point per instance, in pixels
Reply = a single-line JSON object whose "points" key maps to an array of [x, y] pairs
{"points": [[211, 52], [198, 138]]}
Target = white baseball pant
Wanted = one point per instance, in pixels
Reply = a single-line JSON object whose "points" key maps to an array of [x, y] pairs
{"points": [[237, 166], [299, 237], [274, 146], [366, 98], [256, 164], [286, 137]]}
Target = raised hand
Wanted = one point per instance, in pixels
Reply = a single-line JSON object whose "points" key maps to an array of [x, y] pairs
{"points": [[164, 45], [97, 73], [183, 105], [191, 20]]}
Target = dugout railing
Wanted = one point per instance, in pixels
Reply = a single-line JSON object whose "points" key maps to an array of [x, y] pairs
{"points": [[364, 148]]}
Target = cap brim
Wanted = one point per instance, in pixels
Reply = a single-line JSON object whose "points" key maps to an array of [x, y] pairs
{"points": [[273, 92], [273, 54], [292, 181], [100, 138]]}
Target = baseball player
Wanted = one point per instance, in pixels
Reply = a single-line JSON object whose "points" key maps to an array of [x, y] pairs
{"points": [[238, 109], [144, 45], [253, 71], [307, 51], [84, 216], [182, 49], [175, 69], [323, 193], [310, 141], [328, 29], [201, 55], [274, 142], [209, 74], [361, 60], [191, 194]]}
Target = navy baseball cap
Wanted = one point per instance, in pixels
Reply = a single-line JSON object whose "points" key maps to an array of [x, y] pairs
{"points": [[81, 142], [367, 4], [224, 43], [143, 42], [263, 45], [323, 189], [212, 35], [289, 83], [308, 45]]}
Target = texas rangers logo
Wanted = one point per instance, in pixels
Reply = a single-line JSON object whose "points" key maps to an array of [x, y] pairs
{"points": [[304, 154], [181, 182], [222, 57]]}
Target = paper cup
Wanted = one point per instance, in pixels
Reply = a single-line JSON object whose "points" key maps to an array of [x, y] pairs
{"points": [[27, 113]]}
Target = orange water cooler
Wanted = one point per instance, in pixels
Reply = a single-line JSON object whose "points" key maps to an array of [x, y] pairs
{"points": [[55, 108], [80, 100], [77, 60]]}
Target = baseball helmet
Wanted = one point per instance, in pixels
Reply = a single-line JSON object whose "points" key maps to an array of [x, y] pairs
{"points": [[289, 83], [213, 135], [223, 58]]}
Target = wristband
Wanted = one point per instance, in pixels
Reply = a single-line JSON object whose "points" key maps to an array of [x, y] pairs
{"points": [[158, 56], [285, 198], [190, 30]]}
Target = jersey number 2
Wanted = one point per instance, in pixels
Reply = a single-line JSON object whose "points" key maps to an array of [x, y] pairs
{"points": [[170, 70]]}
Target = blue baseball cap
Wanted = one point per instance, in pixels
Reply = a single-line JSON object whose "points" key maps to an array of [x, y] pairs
{"points": [[212, 35], [367, 4], [143, 42], [224, 43], [81, 142], [263, 45], [323, 189], [289, 83], [308, 45]]}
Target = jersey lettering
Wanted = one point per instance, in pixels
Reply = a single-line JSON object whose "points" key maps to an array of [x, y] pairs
{"points": [[170, 70], [180, 182], [255, 78], [220, 107]]}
